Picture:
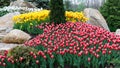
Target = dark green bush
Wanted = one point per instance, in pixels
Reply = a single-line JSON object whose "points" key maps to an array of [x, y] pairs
{"points": [[4, 3], [3, 13], [111, 11], [57, 13]]}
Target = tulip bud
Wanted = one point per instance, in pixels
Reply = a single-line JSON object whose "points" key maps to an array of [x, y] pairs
{"points": [[21, 59], [31, 53], [4, 64], [37, 61], [44, 57], [109, 52], [89, 59], [35, 56], [52, 56]]}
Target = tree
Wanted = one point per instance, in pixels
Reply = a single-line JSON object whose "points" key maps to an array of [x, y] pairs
{"points": [[57, 11], [111, 12]]}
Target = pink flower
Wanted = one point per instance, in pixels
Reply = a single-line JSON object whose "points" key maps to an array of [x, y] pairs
{"points": [[75, 38]]}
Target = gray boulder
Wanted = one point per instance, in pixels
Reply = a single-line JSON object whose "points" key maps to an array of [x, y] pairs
{"points": [[95, 18], [16, 36], [117, 32], [6, 20], [22, 3]]}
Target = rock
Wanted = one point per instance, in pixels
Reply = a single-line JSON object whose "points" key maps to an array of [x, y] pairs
{"points": [[22, 3], [117, 32], [1, 36], [6, 20], [6, 23], [8, 30], [95, 18], [16, 36], [3, 29], [4, 46]]}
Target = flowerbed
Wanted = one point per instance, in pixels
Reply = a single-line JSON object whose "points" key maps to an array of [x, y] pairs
{"points": [[43, 14], [78, 45], [27, 21]]}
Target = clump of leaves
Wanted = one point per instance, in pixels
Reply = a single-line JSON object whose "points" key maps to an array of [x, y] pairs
{"points": [[4, 3], [24, 52], [116, 61], [111, 12], [3, 13]]}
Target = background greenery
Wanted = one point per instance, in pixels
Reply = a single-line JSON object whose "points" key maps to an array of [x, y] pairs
{"points": [[3, 13], [111, 11], [40, 3], [4, 3]]}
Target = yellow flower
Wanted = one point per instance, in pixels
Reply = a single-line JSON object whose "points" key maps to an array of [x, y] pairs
{"points": [[44, 14]]}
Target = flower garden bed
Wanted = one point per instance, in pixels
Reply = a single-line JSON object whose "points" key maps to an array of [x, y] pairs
{"points": [[28, 21], [69, 45]]}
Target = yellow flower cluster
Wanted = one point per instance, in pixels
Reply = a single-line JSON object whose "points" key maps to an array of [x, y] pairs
{"points": [[44, 14], [75, 16], [39, 15]]}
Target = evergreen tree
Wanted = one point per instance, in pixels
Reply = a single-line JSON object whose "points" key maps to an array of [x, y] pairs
{"points": [[111, 11], [57, 11]]}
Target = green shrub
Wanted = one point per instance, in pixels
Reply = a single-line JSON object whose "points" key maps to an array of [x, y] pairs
{"points": [[24, 52], [111, 11], [3, 13], [4, 3], [57, 13]]}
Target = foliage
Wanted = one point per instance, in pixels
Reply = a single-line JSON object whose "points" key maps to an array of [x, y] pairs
{"points": [[57, 11], [22, 51], [41, 3], [67, 5], [2, 13], [28, 21], [4, 3], [77, 7], [116, 61], [28, 27], [80, 7], [111, 11]]}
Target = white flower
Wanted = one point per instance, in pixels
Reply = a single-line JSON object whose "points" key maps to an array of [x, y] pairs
{"points": [[15, 8]]}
